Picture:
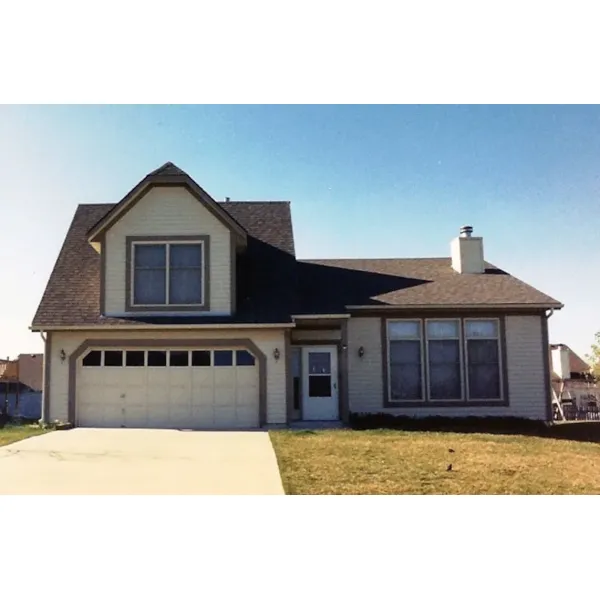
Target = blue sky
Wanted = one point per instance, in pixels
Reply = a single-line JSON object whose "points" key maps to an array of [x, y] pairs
{"points": [[364, 181]]}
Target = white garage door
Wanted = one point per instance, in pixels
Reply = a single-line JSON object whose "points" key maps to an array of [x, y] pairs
{"points": [[168, 388]]}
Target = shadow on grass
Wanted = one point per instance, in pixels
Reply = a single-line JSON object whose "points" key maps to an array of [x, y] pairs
{"points": [[583, 431]]}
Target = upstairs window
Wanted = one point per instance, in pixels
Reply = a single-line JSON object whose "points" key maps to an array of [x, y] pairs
{"points": [[168, 274]]}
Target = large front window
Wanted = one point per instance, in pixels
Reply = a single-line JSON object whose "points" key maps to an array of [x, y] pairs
{"points": [[168, 274], [437, 360]]}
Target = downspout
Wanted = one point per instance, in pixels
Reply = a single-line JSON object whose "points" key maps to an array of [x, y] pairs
{"points": [[547, 367], [44, 382]]}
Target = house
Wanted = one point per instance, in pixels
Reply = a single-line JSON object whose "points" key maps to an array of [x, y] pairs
{"points": [[573, 385], [170, 309], [21, 385]]}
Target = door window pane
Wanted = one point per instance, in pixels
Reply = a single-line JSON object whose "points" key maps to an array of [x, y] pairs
{"points": [[201, 358], [319, 363], [243, 358], [134, 358], [319, 386], [223, 358], [113, 358], [179, 358], [157, 358], [92, 359]]}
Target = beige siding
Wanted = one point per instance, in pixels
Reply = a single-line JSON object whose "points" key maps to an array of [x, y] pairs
{"points": [[365, 384], [266, 340], [525, 372], [169, 211], [299, 335]]}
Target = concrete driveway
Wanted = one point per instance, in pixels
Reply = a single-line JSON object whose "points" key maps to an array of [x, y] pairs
{"points": [[140, 461]]}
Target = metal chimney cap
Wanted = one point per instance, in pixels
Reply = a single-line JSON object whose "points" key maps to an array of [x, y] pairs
{"points": [[227, 198], [466, 231]]}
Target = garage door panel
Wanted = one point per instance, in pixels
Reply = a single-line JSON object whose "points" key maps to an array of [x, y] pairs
{"points": [[183, 397], [136, 416]]}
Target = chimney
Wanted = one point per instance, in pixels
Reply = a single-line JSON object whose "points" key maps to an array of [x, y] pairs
{"points": [[227, 198], [467, 252]]}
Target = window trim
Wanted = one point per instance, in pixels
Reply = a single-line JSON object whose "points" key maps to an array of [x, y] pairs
{"points": [[500, 356], [387, 360], [133, 240], [388, 402], [461, 365]]}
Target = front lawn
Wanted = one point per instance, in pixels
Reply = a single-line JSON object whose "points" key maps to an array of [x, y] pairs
{"points": [[15, 433], [415, 462]]}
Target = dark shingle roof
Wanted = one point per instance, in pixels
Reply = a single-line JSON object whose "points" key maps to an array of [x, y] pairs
{"points": [[327, 286], [272, 285], [72, 295]]}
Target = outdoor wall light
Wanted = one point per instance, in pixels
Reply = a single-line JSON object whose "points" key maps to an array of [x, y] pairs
{"points": [[63, 355], [276, 354], [361, 352]]}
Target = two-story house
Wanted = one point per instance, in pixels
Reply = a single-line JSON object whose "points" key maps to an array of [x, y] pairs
{"points": [[169, 309]]}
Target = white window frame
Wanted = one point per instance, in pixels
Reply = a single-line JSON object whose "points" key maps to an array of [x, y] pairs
{"points": [[461, 358], [424, 394], [167, 245], [500, 362]]}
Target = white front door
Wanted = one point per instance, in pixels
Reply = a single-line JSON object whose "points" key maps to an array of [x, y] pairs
{"points": [[320, 384]]}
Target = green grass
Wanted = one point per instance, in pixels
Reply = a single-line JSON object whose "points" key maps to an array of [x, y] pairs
{"points": [[412, 462], [15, 433]]}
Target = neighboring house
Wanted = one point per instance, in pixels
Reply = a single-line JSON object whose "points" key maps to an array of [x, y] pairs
{"points": [[571, 379], [169, 309], [21, 385]]}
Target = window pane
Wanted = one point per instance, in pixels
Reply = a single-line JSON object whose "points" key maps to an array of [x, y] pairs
{"points": [[319, 363], [185, 286], [444, 351], [179, 358], [444, 370], [487, 329], [223, 358], [157, 358], [150, 255], [405, 351], [484, 369], [113, 358], [484, 382], [444, 382], [482, 351], [201, 358], [319, 386], [405, 382], [404, 329], [243, 358], [134, 358], [92, 359], [442, 329], [149, 286], [185, 255]]}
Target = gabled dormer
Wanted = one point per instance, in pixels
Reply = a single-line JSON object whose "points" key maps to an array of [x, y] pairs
{"points": [[167, 248]]}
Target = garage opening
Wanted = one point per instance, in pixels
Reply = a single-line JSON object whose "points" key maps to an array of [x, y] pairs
{"points": [[193, 388]]}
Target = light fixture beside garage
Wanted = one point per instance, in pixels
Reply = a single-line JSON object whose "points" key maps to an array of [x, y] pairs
{"points": [[276, 354], [63, 355], [361, 352]]}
